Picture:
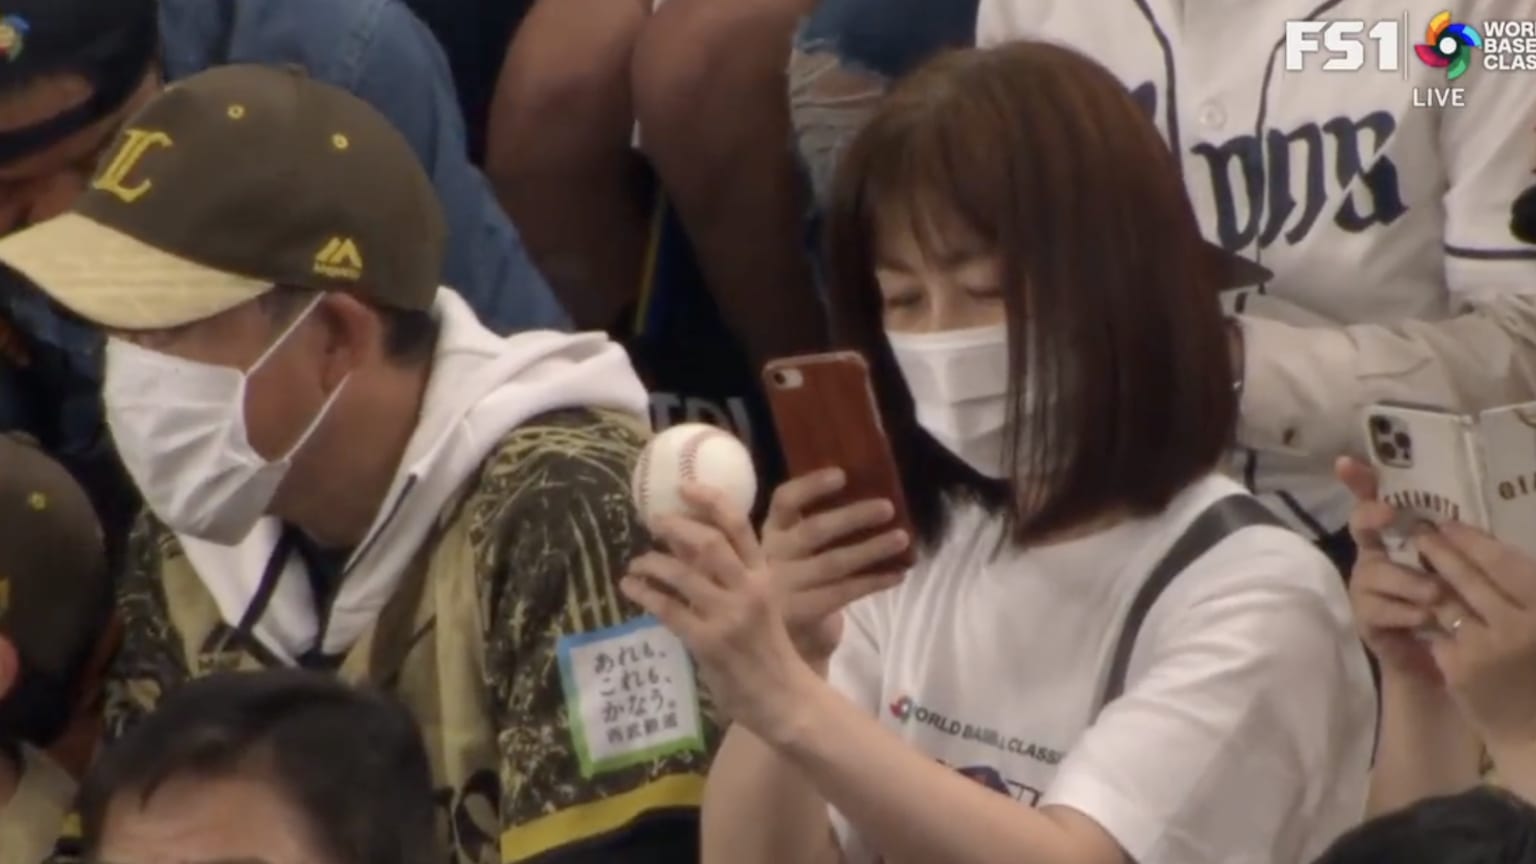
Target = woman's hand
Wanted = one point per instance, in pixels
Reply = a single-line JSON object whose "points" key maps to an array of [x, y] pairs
{"points": [[1392, 603], [819, 572], [715, 590], [1488, 654]]}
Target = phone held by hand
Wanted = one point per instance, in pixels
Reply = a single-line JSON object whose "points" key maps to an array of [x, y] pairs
{"points": [[1435, 466], [825, 413]]}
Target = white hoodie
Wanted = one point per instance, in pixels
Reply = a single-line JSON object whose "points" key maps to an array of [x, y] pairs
{"points": [[482, 386]]}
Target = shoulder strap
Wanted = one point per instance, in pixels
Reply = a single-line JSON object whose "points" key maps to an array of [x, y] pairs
{"points": [[1219, 521]]}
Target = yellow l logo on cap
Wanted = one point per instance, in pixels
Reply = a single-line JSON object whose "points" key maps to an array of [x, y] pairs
{"points": [[114, 178], [339, 259]]}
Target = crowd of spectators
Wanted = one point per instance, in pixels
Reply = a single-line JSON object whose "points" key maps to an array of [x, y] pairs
{"points": [[331, 332]]}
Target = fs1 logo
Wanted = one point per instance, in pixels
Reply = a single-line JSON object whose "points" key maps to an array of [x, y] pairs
{"points": [[1447, 45], [1345, 43]]}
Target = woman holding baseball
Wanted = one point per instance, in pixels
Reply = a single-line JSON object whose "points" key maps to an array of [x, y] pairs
{"points": [[1100, 657]]}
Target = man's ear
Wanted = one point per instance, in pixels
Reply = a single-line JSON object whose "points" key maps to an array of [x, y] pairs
{"points": [[10, 667], [352, 332]]}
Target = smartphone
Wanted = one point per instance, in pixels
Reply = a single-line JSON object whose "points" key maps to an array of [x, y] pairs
{"points": [[825, 413], [1435, 465]]}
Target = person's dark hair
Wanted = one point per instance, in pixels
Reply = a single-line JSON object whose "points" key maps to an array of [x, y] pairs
{"points": [[351, 761], [1522, 216], [113, 46], [410, 335], [1484, 826], [1044, 157]]}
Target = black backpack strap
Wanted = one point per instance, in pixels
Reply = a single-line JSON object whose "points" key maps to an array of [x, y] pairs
{"points": [[1219, 521]]}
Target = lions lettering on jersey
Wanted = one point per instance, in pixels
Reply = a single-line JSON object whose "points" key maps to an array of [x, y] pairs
{"points": [[1244, 170]]}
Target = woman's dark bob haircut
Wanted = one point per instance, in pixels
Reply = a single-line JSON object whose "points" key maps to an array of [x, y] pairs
{"points": [[1039, 154]]}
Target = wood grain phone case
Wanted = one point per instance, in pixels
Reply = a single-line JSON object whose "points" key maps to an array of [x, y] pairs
{"points": [[825, 413]]}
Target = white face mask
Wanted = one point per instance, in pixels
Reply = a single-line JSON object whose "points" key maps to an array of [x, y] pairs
{"points": [[959, 384], [180, 429]]}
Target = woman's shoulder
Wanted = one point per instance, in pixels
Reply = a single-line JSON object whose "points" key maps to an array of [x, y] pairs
{"points": [[1266, 557]]}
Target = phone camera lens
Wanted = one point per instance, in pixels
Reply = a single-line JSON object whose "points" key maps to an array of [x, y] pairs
{"points": [[781, 378], [1387, 451], [1381, 425], [1401, 440]]}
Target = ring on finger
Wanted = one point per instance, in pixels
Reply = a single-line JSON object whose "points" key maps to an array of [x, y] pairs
{"points": [[1451, 620]]}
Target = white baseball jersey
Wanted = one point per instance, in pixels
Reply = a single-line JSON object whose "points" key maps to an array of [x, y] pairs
{"points": [[1244, 734], [1368, 209]]}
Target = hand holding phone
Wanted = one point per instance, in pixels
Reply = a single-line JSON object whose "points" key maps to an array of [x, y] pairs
{"points": [[1425, 469], [825, 413], [820, 565], [1436, 466]]}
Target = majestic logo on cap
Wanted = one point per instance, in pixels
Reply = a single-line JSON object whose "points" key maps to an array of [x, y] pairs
{"points": [[13, 36], [114, 179], [339, 259]]}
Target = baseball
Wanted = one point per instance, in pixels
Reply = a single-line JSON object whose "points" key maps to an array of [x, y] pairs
{"points": [[692, 453]]}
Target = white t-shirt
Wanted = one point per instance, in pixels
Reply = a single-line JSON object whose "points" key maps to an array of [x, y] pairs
{"points": [[1367, 208], [1245, 731]]}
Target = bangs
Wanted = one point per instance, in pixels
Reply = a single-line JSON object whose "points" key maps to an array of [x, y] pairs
{"points": [[918, 172]]}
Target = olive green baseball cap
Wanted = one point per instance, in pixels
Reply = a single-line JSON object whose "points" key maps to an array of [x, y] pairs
{"points": [[55, 593], [229, 183]]}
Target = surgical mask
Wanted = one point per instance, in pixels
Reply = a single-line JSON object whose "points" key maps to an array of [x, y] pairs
{"points": [[180, 429], [959, 384]]}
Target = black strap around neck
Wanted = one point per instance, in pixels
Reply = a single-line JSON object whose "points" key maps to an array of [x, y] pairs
{"points": [[1219, 521], [271, 576]]}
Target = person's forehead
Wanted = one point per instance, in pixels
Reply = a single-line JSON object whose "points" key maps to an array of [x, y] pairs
{"points": [[227, 820], [932, 237]]}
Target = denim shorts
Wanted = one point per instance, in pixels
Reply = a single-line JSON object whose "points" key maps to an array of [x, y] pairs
{"points": [[847, 52]]}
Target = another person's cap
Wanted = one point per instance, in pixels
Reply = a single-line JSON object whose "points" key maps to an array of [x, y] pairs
{"points": [[111, 45], [55, 595], [232, 182]]}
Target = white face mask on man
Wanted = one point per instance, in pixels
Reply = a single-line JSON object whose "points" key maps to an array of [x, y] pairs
{"points": [[180, 430], [959, 383]]}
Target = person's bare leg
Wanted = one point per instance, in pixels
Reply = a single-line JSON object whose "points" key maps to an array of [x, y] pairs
{"points": [[710, 92], [559, 151]]}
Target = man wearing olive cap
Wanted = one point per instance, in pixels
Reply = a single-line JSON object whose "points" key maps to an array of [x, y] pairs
{"points": [[72, 71], [55, 604], [346, 470]]}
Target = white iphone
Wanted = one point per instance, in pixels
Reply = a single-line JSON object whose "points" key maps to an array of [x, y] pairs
{"points": [[1436, 465]]}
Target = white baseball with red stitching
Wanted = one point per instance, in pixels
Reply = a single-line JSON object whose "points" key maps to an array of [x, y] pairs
{"points": [[692, 453]]}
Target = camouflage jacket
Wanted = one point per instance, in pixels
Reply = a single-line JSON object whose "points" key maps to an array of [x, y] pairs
{"points": [[555, 714]]}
